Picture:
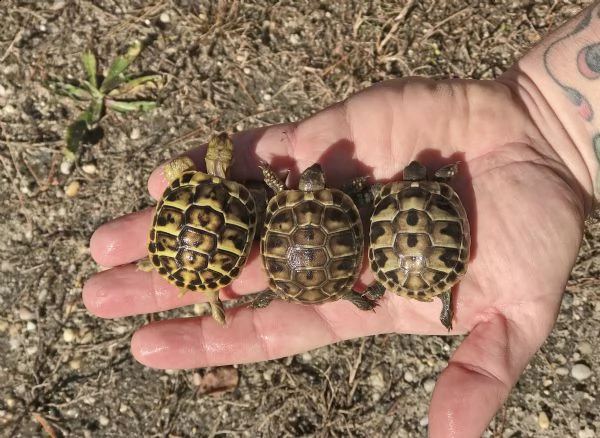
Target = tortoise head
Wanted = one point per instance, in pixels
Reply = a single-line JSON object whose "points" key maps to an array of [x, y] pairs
{"points": [[312, 179], [219, 155], [415, 171]]}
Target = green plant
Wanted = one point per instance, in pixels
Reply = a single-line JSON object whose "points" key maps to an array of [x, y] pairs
{"points": [[116, 91]]}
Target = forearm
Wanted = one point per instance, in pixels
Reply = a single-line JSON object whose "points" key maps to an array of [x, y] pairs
{"points": [[559, 82]]}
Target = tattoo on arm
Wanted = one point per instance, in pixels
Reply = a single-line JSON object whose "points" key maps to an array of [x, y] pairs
{"points": [[573, 63]]}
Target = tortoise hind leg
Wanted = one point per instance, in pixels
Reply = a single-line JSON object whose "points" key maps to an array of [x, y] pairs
{"points": [[360, 301], [145, 265], [375, 291], [216, 306], [446, 315], [264, 299]]}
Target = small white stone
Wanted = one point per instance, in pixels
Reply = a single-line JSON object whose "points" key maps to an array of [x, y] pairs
{"points": [[135, 134], [164, 18], [103, 420], [562, 371], [10, 402], [25, 314], [424, 422], [581, 372], [89, 168], [306, 357], [267, 97], [31, 350], [585, 348], [66, 167], [543, 421], [31, 326], [547, 382], [68, 335], [409, 377], [586, 433], [123, 408], [429, 385], [3, 91], [75, 364], [247, 71], [3, 325]]}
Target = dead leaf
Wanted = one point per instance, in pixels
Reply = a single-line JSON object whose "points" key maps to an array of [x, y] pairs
{"points": [[217, 381]]}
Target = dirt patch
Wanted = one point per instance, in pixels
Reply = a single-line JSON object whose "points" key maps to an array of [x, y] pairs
{"points": [[234, 65]]}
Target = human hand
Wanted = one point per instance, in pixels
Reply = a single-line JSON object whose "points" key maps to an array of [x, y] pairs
{"points": [[526, 209]]}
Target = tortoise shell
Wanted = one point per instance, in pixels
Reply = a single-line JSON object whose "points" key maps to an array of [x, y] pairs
{"points": [[202, 231], [312, 245], [419, 238]]}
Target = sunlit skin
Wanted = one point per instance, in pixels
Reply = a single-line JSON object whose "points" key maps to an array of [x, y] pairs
{"points": [[526, 209]]}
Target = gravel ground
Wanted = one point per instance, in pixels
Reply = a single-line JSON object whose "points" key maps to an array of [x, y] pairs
{"points": [[235, 65]]}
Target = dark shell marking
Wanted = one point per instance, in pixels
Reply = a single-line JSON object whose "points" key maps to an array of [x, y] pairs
{"points": [[312, 245], [202, 231], [419, 238]]}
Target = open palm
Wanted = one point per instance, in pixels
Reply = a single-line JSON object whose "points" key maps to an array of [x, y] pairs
{"points": [[525, 209]]}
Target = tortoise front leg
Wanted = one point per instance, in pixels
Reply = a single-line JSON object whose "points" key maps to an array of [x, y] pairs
{"points": [[446, 314], [375, 291], [216, 306], [446, 173], [360, 192], [271, 178], [264, 299], [359, 300]]}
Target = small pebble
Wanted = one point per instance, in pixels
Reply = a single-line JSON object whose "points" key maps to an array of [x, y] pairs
{"points": [[196, 379], [424, 422], [68, 335], [543, 421], [103, 420], [3, 325], [25, 314], [75, 364], [31, 326], [66, 167], [409, 377], [429, 385], [547, 382], [123, 408], [10, 402], [72, 189], [581, 372], [586, 433], [164, 18], [135, 134], [31, 350], [89, 168], [585, 348], [562, 371]]}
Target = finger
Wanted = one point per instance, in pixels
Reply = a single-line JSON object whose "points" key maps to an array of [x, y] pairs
{"points": [[122, 240], [478, 378], [125, 290], [281, 329]]}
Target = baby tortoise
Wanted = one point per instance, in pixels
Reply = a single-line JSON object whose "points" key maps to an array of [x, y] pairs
{"points": [[312, 243], [419, 238], [203, 227]]}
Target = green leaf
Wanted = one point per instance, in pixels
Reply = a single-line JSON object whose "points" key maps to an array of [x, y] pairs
{"points": [[74, 137], [72, 91], [137, 87], [88, 59], [114, 77], [94, 111], [129, 107]]}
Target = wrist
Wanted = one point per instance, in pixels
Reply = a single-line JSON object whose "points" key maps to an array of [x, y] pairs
{"points": [[559, 84]]}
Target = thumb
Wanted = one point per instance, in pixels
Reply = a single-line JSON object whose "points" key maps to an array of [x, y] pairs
{"points": [[478, 378]]}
